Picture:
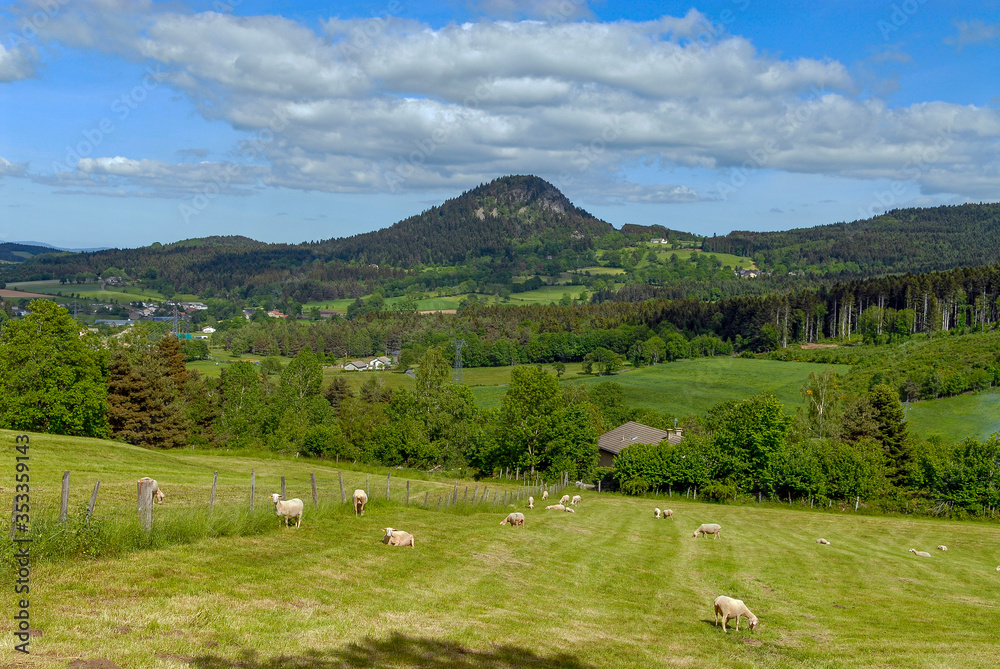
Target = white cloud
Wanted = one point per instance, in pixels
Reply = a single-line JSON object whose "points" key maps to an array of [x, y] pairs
{"points": [[15, 64], [384, 104], [974, 32], [9, 169]]}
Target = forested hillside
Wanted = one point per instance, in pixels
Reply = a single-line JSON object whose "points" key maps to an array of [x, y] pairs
{"points": [[901, 240]]}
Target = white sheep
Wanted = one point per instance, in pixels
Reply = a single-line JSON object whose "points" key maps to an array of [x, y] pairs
{"points": [[515, 519], [287, 510], [545, 494], [667, 513], [397, 538], [730, 608], [920, 553], [656, 512], [823, 541], [556, 507], [576, 500], [531, 502], [360, 498], [998, 568], [942, 548], [569, 509], [158, 495], [564, 500], [708, 528]]}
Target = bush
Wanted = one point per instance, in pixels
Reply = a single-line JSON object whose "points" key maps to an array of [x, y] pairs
{"points": [[636, 486]]}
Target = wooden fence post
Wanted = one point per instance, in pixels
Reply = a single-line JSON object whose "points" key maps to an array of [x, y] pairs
{"points": [[145, 505], [474, 493], [856, 502], [367, 491], [93, 501], [504, 498], [211, 501], [64, 506], [439, 503], [253, 487], [407, 492], [312, 479], [425, 499], [283, 488], [343, 496], [465, 497], [454, 495], [388, 478], [598, 485]]}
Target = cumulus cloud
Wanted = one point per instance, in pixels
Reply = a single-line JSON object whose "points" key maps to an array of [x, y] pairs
{"points": [[972, 32], [15, 64], [9, 169], [387, 104]]}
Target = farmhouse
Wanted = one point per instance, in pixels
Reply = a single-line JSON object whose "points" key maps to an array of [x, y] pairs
{"points": [[611, 443], [380, 362], [356, 366]]}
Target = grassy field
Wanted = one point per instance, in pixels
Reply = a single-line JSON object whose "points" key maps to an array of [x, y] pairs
{"points": [[608, 586], [953, 418], [92, 291]]}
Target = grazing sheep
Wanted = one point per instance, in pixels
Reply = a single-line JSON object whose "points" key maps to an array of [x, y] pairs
{"points": [[360, 499], [397, 537], [576, 500], [531, 502], [730, 608], [564, 500], [556, 507], [708, 528], [998, 568], [513, 519], [287, 510], [545, 494], [656, 513], [667, 513], [157, 493], [823, 541], [942, 548], [920, 553]]}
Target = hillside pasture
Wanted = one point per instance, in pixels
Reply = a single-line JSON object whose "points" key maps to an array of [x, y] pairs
{"points": [[954, 418], [608, 586], [92, 291]]}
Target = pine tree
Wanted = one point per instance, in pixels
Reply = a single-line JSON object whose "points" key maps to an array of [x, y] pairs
{"points": [[144, 405]]}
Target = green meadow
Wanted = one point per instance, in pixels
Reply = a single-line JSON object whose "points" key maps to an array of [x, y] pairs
{"points": [[608, 586], [92, 291]]}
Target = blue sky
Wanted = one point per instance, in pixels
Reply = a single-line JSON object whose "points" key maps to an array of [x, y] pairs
{"points": [[128, 122]]}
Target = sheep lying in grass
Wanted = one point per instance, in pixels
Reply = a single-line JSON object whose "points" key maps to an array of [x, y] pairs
{"points": [[998, 568], [656, 513], [730, 608], [942, 548], [569, 509], [556, 507], [564, 500], [288, 510], [531, 502], [823, 541], [397, 537], [513, 519], [708, 528], [360, 498], [667, 513], [576, 500], [158, 495], [920, 553], [545, 494]]}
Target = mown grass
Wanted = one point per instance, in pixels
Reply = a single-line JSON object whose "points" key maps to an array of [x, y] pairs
{"points": [[608, 586], [92, 291]]}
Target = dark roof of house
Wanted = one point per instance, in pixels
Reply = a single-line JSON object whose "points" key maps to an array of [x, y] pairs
{"points": [[633, 433]]}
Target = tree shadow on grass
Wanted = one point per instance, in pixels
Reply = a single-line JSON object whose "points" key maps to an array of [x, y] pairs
{"points": [[400, 650]]}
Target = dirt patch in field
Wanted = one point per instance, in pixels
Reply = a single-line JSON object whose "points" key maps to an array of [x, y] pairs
{"points": [[807, 347], [439, 311], [18, 294], [99, 663]]}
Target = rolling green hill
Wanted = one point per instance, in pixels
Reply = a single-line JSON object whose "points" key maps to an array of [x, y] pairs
{"points": [[608, 586]]}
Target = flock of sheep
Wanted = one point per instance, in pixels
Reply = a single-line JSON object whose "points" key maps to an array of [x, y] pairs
{"points": [[726, 608]]}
